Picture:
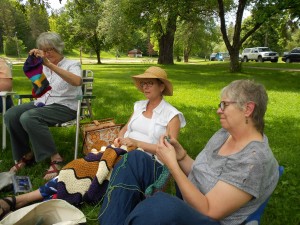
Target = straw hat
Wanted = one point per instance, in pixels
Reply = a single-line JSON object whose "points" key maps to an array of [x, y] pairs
{"points": [[155, 72]]}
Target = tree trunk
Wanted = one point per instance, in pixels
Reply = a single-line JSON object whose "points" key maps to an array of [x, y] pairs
{"points": [[186, 55], [166, 49], [98, 56], [166, 42], [235, 64]]}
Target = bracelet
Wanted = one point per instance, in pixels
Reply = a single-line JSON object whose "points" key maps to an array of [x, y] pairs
{"points": [[184, 155]]}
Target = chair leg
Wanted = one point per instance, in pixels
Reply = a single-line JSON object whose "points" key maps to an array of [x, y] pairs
{"points": [[77, 129], [3, 124]]}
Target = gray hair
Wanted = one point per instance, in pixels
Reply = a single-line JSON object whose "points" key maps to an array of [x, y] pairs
{"points": [[50, 39], [243, 91]]}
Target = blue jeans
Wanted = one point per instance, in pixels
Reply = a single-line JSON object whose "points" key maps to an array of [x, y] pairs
{"points": [[125, 202]]}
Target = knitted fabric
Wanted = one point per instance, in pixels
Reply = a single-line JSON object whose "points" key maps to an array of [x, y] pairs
{"points": [[160, 183], [86, 179], [33, 69]]}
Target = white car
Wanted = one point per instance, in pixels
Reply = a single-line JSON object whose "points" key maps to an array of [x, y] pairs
{"points": [[259, 54]]}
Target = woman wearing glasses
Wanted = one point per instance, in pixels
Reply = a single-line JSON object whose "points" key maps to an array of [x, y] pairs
{"points": [[29, 122], [229, 179], [151, 117]]}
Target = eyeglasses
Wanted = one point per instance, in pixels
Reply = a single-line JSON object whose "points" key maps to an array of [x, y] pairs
{"points": [[223, 104], [149, 84], [48, 50]]}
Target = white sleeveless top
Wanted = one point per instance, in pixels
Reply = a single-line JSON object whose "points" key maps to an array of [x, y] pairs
{"points": [[140, 129]]}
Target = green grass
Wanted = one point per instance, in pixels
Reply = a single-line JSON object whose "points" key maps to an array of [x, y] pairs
{"points": [[196, 94]]}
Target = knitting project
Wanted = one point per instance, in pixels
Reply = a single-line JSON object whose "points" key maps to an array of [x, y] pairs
{"points": [[160, 183], [33, 69], [86, 179]]}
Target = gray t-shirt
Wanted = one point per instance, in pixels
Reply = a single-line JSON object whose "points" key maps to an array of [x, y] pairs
{"points": [[254, 170]]}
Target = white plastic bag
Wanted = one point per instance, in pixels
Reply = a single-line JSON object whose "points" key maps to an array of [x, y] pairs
{"points": [[51, 212]]}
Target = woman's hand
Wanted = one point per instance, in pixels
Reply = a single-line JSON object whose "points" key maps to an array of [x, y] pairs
{"points": [[39, 53], [127, 142], [166, 152], [180, 151], [117, 143]]}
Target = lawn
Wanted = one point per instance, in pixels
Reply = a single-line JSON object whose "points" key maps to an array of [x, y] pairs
{"points": [[196, 94]]}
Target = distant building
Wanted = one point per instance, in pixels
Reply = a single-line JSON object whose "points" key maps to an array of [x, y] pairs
{"points": [[135, 53]]}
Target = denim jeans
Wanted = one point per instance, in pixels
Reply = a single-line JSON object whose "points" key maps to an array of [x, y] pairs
{"points": [[125, 202]]}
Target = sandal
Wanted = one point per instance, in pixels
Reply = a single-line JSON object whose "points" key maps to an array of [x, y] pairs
{"points": [[55, 167], [10, 206], [22, 163]]}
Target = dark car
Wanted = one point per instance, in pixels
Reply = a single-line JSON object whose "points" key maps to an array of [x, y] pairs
{"points": [[292, 56]]}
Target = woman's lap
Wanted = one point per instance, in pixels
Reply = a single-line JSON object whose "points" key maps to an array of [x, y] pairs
{"points": [[162, 208]]}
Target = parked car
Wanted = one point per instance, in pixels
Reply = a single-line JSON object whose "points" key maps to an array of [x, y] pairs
{"points": [[219, 56], [292, 56], [259, 54], [222, 56], [212, 56]]}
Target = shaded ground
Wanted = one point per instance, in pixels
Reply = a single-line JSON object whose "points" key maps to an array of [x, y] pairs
{"points": [[268, 68]]}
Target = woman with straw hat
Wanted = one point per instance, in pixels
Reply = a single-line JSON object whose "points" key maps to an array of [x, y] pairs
{"points": [[154, 116]]}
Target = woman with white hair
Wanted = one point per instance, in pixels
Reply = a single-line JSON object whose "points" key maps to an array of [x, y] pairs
{"points": [[28, 124]]}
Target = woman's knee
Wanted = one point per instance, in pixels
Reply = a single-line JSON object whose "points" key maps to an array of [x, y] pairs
{"points": [[10, 116], [136, 155], [28, 118]]}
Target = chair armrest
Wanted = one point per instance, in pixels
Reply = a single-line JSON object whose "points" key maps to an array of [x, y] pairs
{"points": [[81, 97], [6, 93], [18, 96]]}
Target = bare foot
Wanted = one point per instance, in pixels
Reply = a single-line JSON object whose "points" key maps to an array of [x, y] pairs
{"points": [[53, 171], [27, 159]]}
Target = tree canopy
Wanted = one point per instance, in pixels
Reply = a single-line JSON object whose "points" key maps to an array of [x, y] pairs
{"points": [[179, 28]]}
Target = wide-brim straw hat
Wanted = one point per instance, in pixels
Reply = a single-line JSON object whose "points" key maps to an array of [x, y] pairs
{"points": [[156, 73]]}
